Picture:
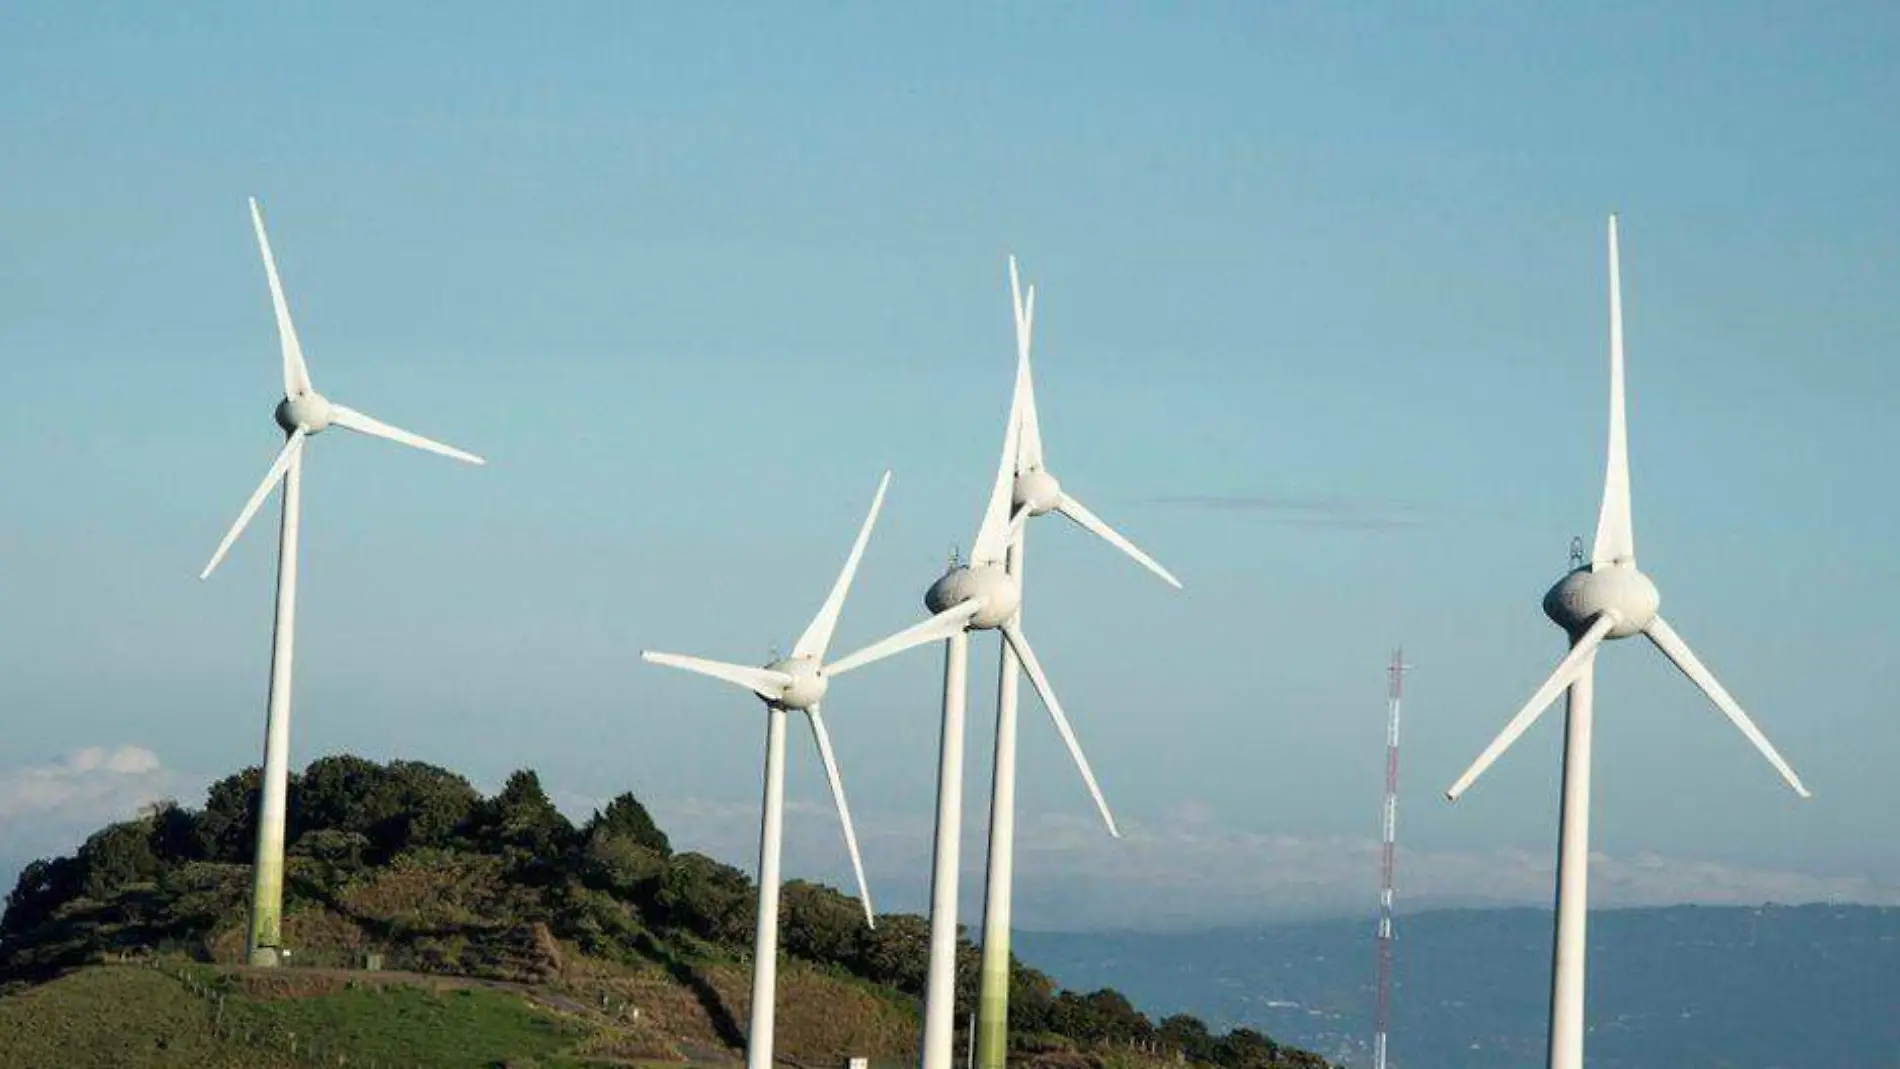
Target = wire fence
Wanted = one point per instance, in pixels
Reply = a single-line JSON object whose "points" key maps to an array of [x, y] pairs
{"points": [[233, 1026]]}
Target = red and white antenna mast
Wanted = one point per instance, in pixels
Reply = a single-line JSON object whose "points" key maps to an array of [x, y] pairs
{"points": [[1381, 1015]]}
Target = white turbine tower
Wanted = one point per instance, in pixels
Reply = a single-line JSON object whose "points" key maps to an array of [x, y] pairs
{"points": [[979, 596], [1035, 492], [798, 682], [1608, 598], [303, 412]]}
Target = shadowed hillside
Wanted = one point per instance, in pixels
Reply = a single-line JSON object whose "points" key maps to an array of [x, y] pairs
{"points": [[490, 919]]}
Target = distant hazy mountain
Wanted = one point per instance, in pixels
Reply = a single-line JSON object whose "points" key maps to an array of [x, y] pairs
{"points": [[1803, 987]]}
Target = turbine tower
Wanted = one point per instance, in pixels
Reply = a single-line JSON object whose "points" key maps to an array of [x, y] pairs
{"points": [[1603, 599], [795, 683], [302, 413], [978, 596], [1035, 492]]}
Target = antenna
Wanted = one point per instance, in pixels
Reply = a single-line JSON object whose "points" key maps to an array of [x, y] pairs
{"points": [[1381, 1015]]}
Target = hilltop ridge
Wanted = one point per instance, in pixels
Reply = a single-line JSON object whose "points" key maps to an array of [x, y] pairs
{"points": [[603, 934]]}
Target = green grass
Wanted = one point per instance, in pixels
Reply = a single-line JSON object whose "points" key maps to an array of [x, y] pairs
{"points": [[465, 1028], [115, 1016], [105, 1018]]}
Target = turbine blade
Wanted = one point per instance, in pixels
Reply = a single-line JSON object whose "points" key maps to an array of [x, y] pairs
{"points": [[1092, 523], [362, 424], [764, 682], [817, 636], [823, 739], [296, 376], [1016, 296], [293, 448], [937, 628], [992, 538], [1014, 636], [1616, 535], [1016, 523], [1568, 669], [1029, 449], [1678, 651]]}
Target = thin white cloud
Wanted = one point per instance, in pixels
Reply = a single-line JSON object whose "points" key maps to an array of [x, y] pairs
{"points": [[50, 808], [1183, 869], [1186, 869]]}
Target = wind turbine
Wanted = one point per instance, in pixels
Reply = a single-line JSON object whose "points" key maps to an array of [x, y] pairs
{"points": [[302, 413], [1607, 598], [1035, 492], [978, 596], [798, 682]]}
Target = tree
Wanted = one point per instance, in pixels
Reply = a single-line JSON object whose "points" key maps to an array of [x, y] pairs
{"points": [[404, 805], [1099, 1016], [1244, 1048], [522, 824], [174, 832], [338, 793], [620, 866], [335, 857], [896, 953], [1032, 998], [626, 816], [712, 900], [43, 886], [117, 855], [819, 924], [227, 826], [429, 806], [1187, 1034]]}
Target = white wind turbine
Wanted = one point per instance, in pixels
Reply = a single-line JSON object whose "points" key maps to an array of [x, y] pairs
{"points": [[1035, 492], [302, 413], [798, 682], [979, 596], [1608, 598]]}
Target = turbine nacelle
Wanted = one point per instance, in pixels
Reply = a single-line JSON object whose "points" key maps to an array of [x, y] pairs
{"points": [[799, 683], [1608, 598], [309, 412], [806, 686], [1618, 591], [992, 590], [304, 412], [1036, 492]]}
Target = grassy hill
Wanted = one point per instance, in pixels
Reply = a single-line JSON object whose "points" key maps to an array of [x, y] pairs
{"points": [[499, 933], [165, 1015]]}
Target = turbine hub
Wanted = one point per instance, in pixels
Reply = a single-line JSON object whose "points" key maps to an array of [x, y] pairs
{"points": [[998, 589], [1037, 492], [808, 684], [1584, 594], [310, 411]]}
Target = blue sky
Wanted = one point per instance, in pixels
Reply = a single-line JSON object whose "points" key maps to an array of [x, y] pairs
{"points": [[692, 277]]}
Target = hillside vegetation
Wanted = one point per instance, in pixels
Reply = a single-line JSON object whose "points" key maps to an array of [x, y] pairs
{"points": [[494, 921]]}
